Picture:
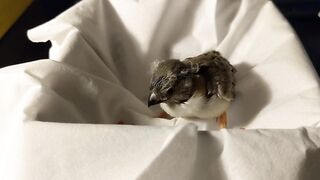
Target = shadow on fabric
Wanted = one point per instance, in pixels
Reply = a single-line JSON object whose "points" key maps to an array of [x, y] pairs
{"points": [[252, 95]]}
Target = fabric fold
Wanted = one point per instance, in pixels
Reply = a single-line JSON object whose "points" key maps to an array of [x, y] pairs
{"points": [[60, 117]]}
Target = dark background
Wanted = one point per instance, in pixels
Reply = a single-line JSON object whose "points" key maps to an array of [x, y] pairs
{"points": [[16, 48]]}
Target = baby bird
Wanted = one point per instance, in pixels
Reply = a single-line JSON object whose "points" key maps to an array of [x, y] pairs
{"points": [[197, 87]]}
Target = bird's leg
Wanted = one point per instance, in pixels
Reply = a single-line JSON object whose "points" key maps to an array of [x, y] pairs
{"points": [[222, 120]]}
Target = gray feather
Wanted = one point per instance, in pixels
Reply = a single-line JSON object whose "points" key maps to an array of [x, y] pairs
{"points": [[218, 73], [175, 81]]}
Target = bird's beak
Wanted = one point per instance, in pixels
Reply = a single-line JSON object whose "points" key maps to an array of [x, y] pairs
{"points": [[153, 100]]}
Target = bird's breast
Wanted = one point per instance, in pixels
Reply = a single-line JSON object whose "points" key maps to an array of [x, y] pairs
{"points": [[197, 106]]}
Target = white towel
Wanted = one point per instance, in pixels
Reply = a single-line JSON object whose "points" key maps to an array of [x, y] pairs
{"points": [[98, 75]]}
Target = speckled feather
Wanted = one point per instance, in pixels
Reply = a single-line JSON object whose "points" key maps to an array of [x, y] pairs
{"points": [[202, 86], [218, 73]]}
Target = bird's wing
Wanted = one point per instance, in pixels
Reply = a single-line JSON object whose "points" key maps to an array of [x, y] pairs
{"points": [[217, 72]]}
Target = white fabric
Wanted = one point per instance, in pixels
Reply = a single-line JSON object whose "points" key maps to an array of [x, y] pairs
{"points": [[98, 74]]}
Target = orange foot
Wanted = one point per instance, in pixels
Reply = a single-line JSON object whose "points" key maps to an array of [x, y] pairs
{"points": [[222, 120], [164, 115]]}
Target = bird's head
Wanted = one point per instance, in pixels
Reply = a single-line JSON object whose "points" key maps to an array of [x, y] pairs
{"points": [[172, 81]]}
